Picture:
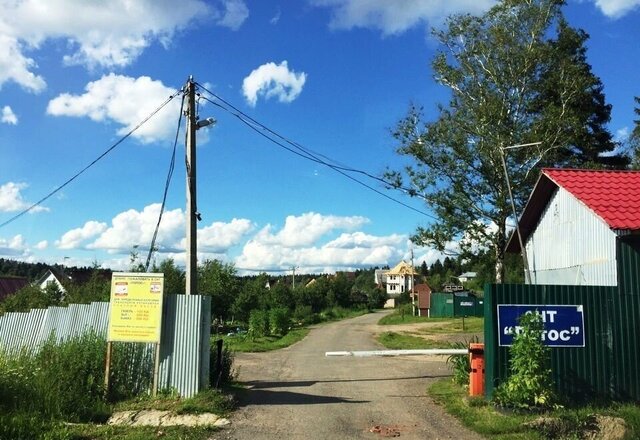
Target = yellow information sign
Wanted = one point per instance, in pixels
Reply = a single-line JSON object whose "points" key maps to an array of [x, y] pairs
{"points": [[136, 307]]}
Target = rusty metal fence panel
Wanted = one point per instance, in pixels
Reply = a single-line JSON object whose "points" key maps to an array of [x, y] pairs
{"points": [[608, 365], [184, 347]]}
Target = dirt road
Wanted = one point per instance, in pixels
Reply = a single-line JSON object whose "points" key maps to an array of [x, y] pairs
{"points": [[298, 393]]}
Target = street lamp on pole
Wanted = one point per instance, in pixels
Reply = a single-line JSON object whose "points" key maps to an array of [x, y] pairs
{"points": [[523, 252], [192, 213]]}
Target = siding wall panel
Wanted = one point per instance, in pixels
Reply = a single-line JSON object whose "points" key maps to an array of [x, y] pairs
{"points": [[571, 245]]}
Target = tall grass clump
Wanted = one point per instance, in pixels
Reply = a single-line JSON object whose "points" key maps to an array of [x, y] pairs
{"points": [[131, 370], [70, 378]]}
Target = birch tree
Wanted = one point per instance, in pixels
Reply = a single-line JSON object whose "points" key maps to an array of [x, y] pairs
{"points": [[517, 75]]}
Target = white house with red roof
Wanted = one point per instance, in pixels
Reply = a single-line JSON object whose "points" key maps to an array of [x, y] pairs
{"points": [[575, 222]]}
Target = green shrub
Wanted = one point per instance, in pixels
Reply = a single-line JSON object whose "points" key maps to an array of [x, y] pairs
{"points": [[304, 315], [279, 321], [258, 323], [530, 384]]}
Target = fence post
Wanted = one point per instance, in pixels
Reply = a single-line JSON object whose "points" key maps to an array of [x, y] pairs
{"points": [[218, 371]]}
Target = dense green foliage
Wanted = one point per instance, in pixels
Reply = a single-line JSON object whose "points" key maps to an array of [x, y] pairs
{"points": [[529, 384], [517, 75], [64, 382]]}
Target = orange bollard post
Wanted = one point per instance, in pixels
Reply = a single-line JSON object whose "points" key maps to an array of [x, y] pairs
{"points": [[476, 376]]}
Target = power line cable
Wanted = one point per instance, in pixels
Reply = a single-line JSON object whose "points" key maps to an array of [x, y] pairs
{"points": [[172, 164], [312, 155], [251, 123], [75, 176]]}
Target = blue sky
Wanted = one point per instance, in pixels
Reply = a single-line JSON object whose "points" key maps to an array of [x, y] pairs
{"points": [[332, 75]]}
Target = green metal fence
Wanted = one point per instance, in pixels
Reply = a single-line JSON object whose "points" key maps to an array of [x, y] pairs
{"points": [[609, 364], [441, 305]]}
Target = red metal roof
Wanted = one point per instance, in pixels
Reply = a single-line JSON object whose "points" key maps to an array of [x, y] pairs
{"points": [[613, 195]]}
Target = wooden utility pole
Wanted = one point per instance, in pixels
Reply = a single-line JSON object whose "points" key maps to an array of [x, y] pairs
{"points": [[192, 228]]}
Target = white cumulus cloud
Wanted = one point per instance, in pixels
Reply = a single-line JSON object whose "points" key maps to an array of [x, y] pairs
{"points": [[307, 228], [75, 237], [220, 236], [125, 101], [234, 14], [395, 17], [13, 247], [616, 8], [11, 198], [41, 245], [16, 67], [135, 228], [8, 116], [273, 80], [298, 243], [108, 34]]}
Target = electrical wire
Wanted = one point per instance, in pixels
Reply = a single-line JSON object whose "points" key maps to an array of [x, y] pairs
{"points": [[172, 164], [75, 176], [307, 152], [304, 152]]}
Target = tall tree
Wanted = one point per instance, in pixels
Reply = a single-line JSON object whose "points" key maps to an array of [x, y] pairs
{"points": [[634, 138], [517, 75], [218, 280]]}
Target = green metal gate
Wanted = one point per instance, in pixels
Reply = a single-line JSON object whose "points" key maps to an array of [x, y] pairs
{"points": [[609, 364]]}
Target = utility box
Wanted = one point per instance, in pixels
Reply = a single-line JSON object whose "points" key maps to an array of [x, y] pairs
{"points": [[476, 376]]}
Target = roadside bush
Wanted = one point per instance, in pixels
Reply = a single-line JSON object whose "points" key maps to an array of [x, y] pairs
{"points": [[258, 323], [304, 315], [279, 321], [376, 298], [530, 385]]}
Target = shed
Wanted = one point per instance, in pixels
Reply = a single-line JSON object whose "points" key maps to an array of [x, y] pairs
{"points": [[422, 299], [578, 223]]}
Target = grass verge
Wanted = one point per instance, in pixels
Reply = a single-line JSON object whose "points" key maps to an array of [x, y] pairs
{"points": [[481, 416], [243, 343], [400, 341], [478, 415]]}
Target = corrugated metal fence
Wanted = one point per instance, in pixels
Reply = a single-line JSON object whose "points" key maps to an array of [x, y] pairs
{"points": [[184, 347], [609, 364], [450, 305]]}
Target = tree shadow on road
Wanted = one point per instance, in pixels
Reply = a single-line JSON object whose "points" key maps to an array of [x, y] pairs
{"points": [[254, 384], [267, 397]]}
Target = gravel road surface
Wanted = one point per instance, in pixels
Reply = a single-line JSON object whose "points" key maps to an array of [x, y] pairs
{"points": [[298, 393]]}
